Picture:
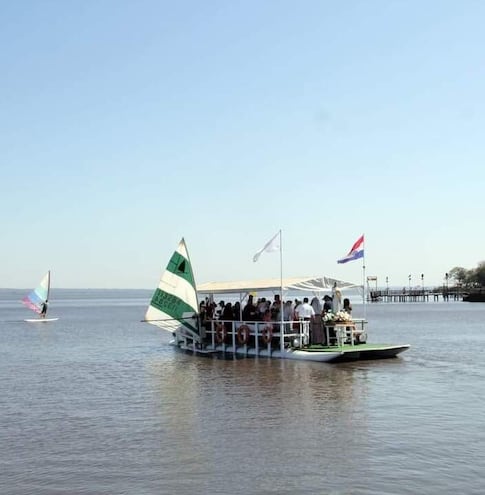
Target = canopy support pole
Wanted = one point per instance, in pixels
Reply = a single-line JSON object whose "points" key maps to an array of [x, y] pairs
{"points": [[282, 328]]}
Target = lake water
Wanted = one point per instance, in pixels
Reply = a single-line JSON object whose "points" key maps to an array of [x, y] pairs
{"points": [[98, 403]]}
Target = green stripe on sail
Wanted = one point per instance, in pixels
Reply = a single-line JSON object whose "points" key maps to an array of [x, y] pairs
{"points": [[173, 306], [180, 266]]}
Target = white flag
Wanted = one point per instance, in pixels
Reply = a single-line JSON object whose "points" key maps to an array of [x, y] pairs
{"points": [[269, 247]]}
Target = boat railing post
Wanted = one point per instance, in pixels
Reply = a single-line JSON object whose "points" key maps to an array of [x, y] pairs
{"points": [[256, 337], [213, 335], [338, 334], [224, 333], [233, 327]]}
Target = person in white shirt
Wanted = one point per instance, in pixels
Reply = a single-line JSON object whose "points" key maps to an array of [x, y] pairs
{"points": [[304, 310], [306, 313]]}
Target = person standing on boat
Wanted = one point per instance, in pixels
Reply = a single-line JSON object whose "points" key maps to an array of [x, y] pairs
{"points": [[306, 313], [347, 306], [327, 305], [227, 316], [288, 312], [220, 310], [317, 330], [267, 315], [316, 305], [250, 310], [43, 309], [276, 308]]}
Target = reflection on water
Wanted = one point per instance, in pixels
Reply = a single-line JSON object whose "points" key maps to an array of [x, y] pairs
{"points": [[234, 417], [99, 403]]}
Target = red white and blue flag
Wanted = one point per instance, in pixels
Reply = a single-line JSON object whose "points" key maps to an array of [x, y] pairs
{"points": [[356, 252]]}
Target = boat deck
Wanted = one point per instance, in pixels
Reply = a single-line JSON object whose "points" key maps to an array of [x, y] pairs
{"points": [[347, 347], [256, 339]]}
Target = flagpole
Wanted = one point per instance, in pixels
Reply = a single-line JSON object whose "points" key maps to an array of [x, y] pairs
{"points": [[282, 329], [363, 279]]}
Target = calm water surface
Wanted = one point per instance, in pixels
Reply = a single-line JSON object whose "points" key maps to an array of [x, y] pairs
{"points": [[98, 403]]}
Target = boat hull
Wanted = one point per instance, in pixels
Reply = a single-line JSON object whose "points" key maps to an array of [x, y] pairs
{"points": [[331, 354], [372, 353], [475, 297]]}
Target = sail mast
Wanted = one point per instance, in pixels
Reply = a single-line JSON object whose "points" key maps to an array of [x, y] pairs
{"points": [[48, 292], [48, 285], [195, 285]]}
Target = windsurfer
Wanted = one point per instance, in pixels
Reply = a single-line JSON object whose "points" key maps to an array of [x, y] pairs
{"points": [[43, 310]]}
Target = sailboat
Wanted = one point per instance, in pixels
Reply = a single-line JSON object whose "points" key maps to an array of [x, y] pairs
{"points": [[174, 307], [38, 300]]}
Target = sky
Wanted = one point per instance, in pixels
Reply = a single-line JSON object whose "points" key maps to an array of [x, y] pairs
{"points": [[127, 125]]}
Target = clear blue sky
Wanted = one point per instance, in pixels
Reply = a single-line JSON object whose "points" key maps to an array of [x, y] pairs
{"points": [[127, 125]]}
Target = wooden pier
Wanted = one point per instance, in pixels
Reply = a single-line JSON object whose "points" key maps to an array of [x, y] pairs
{"points": [[414, 295]]}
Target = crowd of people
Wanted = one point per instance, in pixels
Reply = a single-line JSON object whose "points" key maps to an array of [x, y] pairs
{"points": [[264, 309]]}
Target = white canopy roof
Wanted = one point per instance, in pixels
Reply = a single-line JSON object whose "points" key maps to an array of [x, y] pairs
{"points": [[308, 284]]}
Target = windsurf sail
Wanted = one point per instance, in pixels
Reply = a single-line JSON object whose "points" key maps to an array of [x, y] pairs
{"points": [[36, 299], [174, 303]]}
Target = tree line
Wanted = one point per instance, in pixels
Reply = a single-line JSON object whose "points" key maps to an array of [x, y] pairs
{"points": [[474, 277]]}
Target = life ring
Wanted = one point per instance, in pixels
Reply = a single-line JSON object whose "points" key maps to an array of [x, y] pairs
{"points": [[267, 334], [221, 333], [243, 333]]}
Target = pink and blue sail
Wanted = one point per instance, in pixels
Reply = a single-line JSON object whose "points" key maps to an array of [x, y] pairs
{"points": [[40, 295]]}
